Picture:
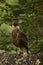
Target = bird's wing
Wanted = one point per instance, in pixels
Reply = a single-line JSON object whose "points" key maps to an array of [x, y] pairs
{"points": [[23, 36]]}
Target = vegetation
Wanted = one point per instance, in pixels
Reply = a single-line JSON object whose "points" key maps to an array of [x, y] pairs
{"points": [[29, 11]]}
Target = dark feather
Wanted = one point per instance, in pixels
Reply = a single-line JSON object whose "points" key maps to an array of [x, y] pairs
{"points": [[23, 40], [23, 36]]}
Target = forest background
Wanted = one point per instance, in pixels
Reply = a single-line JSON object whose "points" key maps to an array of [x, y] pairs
{"points": [[29, 11]]}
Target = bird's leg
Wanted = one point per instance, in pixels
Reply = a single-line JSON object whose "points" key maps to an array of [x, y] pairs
{"points": [[18, 50], [24, 52]]}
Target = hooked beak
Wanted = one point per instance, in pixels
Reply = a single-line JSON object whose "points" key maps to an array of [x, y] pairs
{"points": [[18, 27]]}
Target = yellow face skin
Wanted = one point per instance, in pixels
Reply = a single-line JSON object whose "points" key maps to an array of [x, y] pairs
{"points": [[15, 28]]}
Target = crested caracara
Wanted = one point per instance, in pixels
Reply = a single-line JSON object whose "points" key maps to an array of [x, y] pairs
{"points": [[19, 37]]}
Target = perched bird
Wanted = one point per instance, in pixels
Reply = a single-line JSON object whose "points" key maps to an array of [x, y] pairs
{"points": [[19, 37]]}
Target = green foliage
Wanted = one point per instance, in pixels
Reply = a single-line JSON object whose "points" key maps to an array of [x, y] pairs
{"points": [[12, 2], [28, 10], [5, 37]]}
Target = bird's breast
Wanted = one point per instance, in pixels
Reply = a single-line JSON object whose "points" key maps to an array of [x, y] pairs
{"points": [[16, 39]]}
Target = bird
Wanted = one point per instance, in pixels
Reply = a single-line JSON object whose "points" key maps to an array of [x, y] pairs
{"points": [[19, 37]]}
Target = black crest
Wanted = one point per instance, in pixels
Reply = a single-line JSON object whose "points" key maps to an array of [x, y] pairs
{"points": [[15, 24]]}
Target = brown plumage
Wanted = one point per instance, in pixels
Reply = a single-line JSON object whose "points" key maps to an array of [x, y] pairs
{"points": [[19, 37]]}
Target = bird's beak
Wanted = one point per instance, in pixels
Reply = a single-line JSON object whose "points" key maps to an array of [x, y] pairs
{"points": [[17, 27]]}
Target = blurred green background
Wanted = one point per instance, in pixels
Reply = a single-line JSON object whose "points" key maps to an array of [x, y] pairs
{"points": [[29, 11]]}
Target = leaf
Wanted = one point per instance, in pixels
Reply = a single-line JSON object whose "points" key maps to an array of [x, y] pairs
{"points": [[12, 2]]}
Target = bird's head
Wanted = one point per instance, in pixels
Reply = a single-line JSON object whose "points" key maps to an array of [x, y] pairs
{"points": [[15, 26]]}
